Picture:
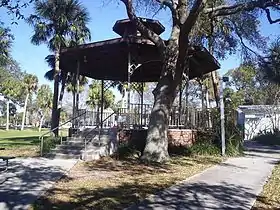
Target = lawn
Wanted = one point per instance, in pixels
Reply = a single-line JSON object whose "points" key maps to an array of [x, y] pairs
{"points": [[116, 184], [270, 196], [20, 143]]}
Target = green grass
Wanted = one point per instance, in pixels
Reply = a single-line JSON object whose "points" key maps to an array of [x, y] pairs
{"points": [[24, 143], [20, 143]]}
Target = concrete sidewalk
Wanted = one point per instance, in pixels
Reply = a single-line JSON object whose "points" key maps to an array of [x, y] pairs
{"points": [[233, 184], [27, 178]]}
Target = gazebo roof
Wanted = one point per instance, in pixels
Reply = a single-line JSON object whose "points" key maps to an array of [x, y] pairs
{"points": [[108, 60], [121, 26]]}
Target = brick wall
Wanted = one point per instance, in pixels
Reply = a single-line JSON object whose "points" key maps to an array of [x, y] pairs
{"points": [[181, 137], [176, 137]]}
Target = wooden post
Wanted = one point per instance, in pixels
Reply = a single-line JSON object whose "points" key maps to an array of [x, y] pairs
{"points": [[142, 99], [78, 90], [128, 88]]}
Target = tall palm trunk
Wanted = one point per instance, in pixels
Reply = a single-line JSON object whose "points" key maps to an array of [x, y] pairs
{"points": [[61, 94], [74, 108], [55, 120], [8, 114], [24, 111], [41, 122]]}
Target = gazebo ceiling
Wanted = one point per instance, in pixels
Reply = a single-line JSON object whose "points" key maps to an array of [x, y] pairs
{"points": [[108, 60]]}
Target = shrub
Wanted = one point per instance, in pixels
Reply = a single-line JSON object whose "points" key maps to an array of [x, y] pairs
{"points": [[268, 138], [178, 150], [126, 151], [49, 143], [205, 148], [209, 141]]}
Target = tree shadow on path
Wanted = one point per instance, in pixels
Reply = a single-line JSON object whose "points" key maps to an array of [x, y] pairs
{"points": [[192, 196], [25, 181]]}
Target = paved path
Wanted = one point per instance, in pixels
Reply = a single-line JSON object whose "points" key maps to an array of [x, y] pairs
{"points": [[232, 185], [28, 178]]}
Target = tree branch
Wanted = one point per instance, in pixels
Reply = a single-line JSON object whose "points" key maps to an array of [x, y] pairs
{"points": [[269, 17], [172, 9], [247, 6], [192, 17], [182, 10], [142, 28], [241, 39]]}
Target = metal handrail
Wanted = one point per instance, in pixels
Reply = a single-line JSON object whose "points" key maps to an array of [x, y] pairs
{"points": [[41, 138], [96, 126]]}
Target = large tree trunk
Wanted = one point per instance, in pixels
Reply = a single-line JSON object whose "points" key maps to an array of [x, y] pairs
{"points": [[8, 115], [55, 120], [156, 149], [24, 111]]}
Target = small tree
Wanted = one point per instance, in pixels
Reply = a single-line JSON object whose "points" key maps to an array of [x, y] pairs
{"points": [[12, 90]]}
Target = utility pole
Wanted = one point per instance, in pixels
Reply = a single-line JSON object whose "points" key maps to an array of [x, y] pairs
{"points": [[222, 111]]}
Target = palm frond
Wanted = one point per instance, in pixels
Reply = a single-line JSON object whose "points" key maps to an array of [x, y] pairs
{"points": [[49, 75]]}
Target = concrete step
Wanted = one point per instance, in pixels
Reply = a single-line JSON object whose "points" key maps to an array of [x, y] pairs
{"points": [[74, 143], [62, 156], [70, 146], [66, 151], [75, 139]]}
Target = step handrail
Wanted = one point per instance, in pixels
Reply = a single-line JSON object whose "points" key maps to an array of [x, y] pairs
{"points": [[100, 123], [96, 126], [41, 138]]}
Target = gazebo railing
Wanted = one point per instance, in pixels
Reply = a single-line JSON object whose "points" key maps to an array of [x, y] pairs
{"points": [[93, 118], [186, 118]]}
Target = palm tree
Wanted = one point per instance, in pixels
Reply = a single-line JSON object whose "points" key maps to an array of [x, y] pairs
{"points": [[30, 86], [5, 44], [66, 80], [54, 23], [11, 89], [122, 87], [94, 97], [44, 102]]}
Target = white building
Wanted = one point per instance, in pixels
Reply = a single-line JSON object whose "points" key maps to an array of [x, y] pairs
{"points": [[259, 119]]}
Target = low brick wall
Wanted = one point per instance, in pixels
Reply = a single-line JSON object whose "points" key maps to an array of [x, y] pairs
{"points": [[181, 137], [176, 137]]}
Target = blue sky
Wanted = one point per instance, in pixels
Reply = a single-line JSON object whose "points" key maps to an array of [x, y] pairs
{"points": [[103, 17]]}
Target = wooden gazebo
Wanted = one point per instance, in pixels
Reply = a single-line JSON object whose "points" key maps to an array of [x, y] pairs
{"points": [[130, 58]]}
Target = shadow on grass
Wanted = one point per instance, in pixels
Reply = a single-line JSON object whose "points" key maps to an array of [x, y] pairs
{"points": [[191, 196], [266, 202], [129, 166]]}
